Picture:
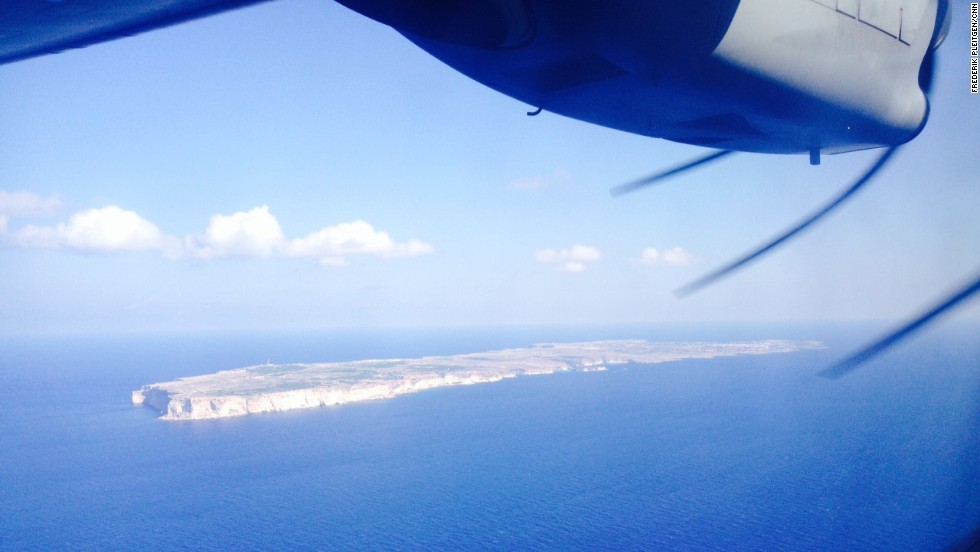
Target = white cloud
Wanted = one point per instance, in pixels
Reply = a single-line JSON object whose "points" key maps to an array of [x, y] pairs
{"points": [[649, 256], [678, 256], [254, 233], [28, 204], [102, 230], [571, 260], [245, 234], [675, 256], [333, 244]]}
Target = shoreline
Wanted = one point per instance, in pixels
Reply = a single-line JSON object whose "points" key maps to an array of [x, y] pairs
{"points": [[283, 387]]}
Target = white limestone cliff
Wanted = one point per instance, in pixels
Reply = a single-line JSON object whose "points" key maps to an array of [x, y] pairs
{"points": [[277, 388]]}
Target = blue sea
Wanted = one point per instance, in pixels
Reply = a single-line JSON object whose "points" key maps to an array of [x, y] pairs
{"points": [[750, 453]]}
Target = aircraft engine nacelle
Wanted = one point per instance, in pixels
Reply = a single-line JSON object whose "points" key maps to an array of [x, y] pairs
{"points": [[864, 62], [775, 76]]}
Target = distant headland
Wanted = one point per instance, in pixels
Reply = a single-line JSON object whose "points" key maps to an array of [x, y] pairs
{"points": [[279, 387]]}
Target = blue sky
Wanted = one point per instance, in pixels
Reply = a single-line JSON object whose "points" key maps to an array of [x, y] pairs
{"points": [[295, 165]]}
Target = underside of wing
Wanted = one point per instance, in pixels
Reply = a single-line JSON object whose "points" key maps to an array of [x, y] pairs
{"points": [[30, 28]]}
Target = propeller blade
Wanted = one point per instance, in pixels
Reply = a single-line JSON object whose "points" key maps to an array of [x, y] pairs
{"points": [[654, 178], [895, 336], [732, 266]]}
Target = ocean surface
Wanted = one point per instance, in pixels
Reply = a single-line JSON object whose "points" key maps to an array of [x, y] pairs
{"points": [[751, 453]]}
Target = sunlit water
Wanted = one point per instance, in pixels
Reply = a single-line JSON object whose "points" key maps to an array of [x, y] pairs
{"points": [[753, 453]]}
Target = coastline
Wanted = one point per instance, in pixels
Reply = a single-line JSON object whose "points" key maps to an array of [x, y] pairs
{"points": [[278, 388]]}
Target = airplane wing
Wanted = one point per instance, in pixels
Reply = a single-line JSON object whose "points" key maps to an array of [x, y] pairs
{"points": [[30, 28]]}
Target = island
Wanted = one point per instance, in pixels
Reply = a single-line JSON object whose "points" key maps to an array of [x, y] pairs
{"points": [[280, 387]]}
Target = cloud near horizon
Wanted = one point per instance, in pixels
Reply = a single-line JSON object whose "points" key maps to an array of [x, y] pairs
{"points": [[22, 203], [570, 260], [102, 230], [254, 233], [333, 244], [675, 256], [245, 234]]}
